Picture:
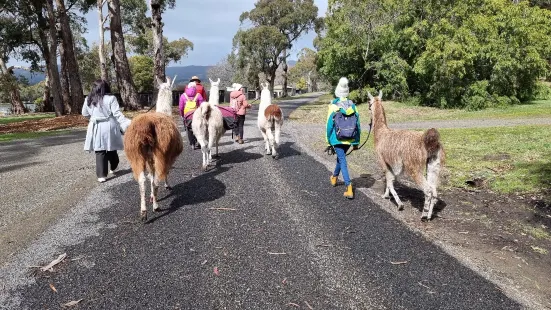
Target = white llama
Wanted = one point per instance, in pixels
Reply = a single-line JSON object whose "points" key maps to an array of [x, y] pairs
{"points": [[270, 118], [208, 124]]}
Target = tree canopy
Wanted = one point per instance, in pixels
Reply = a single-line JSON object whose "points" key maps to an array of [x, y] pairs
{"points": [[468, 53]]}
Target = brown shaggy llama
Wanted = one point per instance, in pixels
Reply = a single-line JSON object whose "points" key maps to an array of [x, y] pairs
{"points": [[152, 143], [409, 151]]}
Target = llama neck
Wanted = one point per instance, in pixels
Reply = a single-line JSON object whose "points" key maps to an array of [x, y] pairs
{"points": [[214, 99], [379, 119], [263, 105], [164, 102]]}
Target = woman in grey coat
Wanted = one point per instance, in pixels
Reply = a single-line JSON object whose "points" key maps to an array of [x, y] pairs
{"points": [[107, 123]]}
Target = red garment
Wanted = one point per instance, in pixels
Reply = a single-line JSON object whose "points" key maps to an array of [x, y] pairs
{"points": [[200, 90], [242, 104]]}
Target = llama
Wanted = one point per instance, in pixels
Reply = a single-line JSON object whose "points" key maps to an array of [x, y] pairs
{"points": [[270, 117], [152, 143], [412, 151], [208, 124]]}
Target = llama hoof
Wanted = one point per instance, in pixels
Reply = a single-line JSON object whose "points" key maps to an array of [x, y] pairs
{"points": [[168, 187], [156, 209], [400, 207], [276, 156], [385, 196], [204, 168], [268, 153], [150, 199], [143, 216]]}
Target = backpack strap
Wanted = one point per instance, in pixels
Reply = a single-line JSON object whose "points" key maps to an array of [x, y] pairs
{"points": [[187, 98], [195, 98]]}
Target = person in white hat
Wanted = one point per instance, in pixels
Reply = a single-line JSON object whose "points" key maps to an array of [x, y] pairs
{"points": [[341, 133], [238, 102]]}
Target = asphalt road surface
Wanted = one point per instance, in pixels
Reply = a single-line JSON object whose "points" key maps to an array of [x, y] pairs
{"points": [[251, 233]]}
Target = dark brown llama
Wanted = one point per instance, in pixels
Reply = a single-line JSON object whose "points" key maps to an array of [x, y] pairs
{"points": [[409, 151]]}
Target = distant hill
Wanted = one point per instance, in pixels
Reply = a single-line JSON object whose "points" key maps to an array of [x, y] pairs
{"points": [[184, 73], [32, 77]]}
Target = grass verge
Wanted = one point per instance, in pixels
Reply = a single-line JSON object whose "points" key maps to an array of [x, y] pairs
{"points": [[6, 137], [396, 112], [15, 119]]}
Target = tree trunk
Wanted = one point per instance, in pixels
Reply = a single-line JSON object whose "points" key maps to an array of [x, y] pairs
{"points": [[157, 28], [124, 77], [285, 68], [64, 80], [49, 50], [309, 82], [17, 106], [102, 20], [77, 94], [46, 102]]}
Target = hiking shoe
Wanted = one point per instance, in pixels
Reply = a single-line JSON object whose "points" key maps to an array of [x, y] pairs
{"points": [[333, 180], [349, 193], [101, 180]]}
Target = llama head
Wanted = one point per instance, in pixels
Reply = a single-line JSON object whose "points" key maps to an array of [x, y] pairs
{"points": [[214, 89], [168, 85], [372, 99], [265, 94]]}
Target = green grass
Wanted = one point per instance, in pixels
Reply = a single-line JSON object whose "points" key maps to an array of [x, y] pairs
{"points": [[15, 119], [397, 112], [510, 159], [6, 137]]}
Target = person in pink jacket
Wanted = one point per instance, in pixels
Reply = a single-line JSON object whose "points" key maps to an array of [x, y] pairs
{"points": [[240, 105], [189, 101]]}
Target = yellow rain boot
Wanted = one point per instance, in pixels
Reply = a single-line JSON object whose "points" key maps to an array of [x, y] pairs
{"points": [[349, 193], [334, 180]]}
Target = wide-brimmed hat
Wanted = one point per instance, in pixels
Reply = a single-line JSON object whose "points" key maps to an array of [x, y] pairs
{"points": [[237, 86], [195, 78]]}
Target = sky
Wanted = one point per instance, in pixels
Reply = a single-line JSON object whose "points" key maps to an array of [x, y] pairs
{"points": [[209, 24]]}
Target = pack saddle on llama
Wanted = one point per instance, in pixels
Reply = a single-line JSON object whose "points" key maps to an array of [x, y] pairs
{"points": [[152, 143], [270, 120], [208, 124], [412, 152]]}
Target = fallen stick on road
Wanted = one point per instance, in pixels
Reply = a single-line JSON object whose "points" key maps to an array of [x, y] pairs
{"points": [[54, 262], [275, 253], [399, 263], [223, 209]]}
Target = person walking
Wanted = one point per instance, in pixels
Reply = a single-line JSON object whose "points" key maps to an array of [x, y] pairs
{"points": [[238, 102], [200, 88], [190, 100], [105, 129], [342, 131]]}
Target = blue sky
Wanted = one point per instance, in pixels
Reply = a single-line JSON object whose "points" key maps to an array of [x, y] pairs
{"points": [[209, 24]]}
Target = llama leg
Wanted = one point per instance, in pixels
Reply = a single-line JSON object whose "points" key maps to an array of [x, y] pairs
{"points": [[271, 141], [205, 158], [433, 171], [167, 186], [390, 187], [267, 144], [143, 209], [154, 190], [277, 133], [386, 195]]}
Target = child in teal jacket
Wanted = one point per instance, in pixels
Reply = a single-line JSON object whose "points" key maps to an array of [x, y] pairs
{"points": [[346, 107]]}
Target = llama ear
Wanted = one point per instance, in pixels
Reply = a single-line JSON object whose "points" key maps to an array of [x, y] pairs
{"points": [[173, 80], [211, 81], [380, 95], [218, 81], [168, 80], [370, 96], [159, 82]]}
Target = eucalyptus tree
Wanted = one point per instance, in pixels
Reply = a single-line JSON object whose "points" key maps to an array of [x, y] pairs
{"points": [[276, 24]]}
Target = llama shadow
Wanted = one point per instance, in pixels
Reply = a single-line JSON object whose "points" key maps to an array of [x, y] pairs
{"points": [[201, 189], [246, 141], [18, 166], [416, 198], [363, 181], [237, 156], [287, 150], [120, 173]]}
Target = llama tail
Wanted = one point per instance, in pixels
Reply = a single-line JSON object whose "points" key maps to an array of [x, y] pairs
{"points": [[206, 110], [431, 139]]}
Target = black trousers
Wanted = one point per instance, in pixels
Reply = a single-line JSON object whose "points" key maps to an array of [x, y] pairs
{"points": [[190, 136], [104, 157], [238, 131]]}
